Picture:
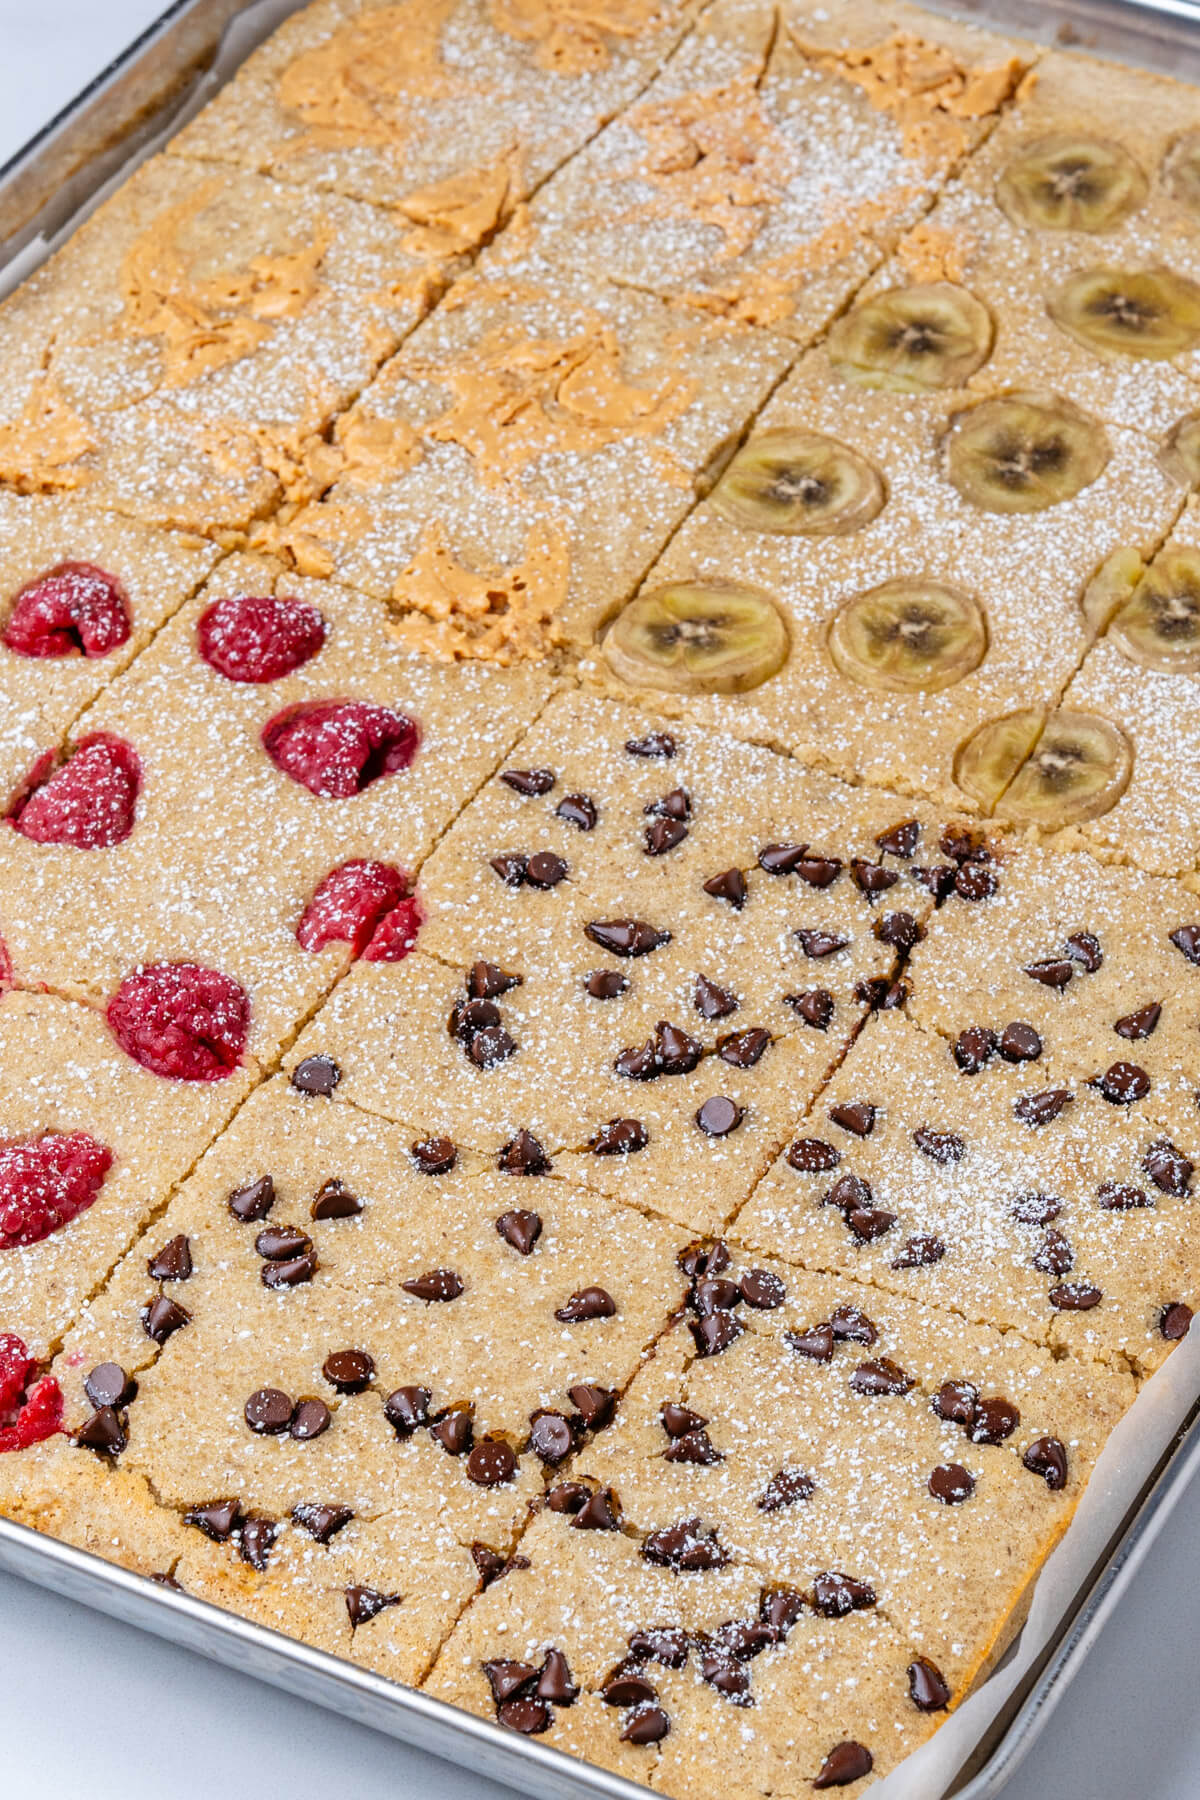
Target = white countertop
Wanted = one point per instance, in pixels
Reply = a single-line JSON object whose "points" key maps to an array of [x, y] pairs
{"points": [[91, 1710]]}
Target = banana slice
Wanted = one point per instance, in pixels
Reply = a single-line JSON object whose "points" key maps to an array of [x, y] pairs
{"points": [[913, 339], [1071, 183], [1110, 587], [1079, 770], [1159, 625], [1150, 313], [798, 481], [1180, 453], [1181, 169], [1021, 453], [909, 636], [986, 763], [698, 637]]}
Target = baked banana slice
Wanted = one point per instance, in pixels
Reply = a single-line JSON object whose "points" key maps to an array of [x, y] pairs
{"points": [[1023, 452], [1079, 769], [1151, 313], [698, 637], [1181, 169], [801, 483], [909, 635], [1159, 625], [1180, 453], [1110, 588], [913, 339], [1069, 182], [986, 763]]}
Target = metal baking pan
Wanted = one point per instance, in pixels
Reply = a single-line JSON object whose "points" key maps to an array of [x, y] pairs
{"points": [[51, 183]]}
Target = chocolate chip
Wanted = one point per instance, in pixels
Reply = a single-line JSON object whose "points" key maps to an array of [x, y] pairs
{"points": [[407, 1409], [492, 1565], [871, 878], [689, 1545], [974, 1047], [528, 782], [780, 1608], [1168, 1168], [927, 1686], [726, 1674], [349, 1371], [1036, 1209], [638, 1063], [627, 1687], [975, 883], [254, 1201], [1052, 972], [1187, 939], [364, 1604], [963, 845], [217, 1519], [1042, 1109], [550, 1437], [1019, 1042], [511, 867], [506, 1678], [545, 870], [292, 1273], [815, 1007], [762, 1289], [1174, 1321], [268, 1411], [523, 1155], [712, 1001], [742, 1049], [554, 1682], [719, 1116], [492, 1463], [816, 1344], [818, 871], [835, 1594], [595, 1405], [619, 1137], [813, 1155], [488, 981], [951, 1484], [1075, 1296], [882, 1377], [520, 1229], [675, 805], [597, 1513], [258, 1535], [781, 859], [1121, 1196], [491, 1046], [279, 1243], [671, 1051], [163, 1317], [310, 1419], [109, 1385], [1140, 1024], [715, 1293], [900, 840], [715, 1332], [1083, 947], [785, 1489], [850, 1326], [584, 1304], [1123, 1083], [694, 1447], [665, 1644], [168, 1581], [655, 743], [1048, 1458], [662, 835], [322, 1522], [939, 879], [648, 1725], [855, 1116], [996, 1419], [334, 1200], [173, 1262], [730, 886], [317, 1075], [957, 1402], [605, 984], [435, 1286], [454, 1430], [868, 1223], [104, 1432], [939, 1146], [920, 1253], [817, 945], [468, 1017], [700, 1259], [626, 937], [900, 930], [1054, 1255], [435, 1155], [847, 1762]]}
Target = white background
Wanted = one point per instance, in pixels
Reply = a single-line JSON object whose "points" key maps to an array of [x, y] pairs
{"points": [[90, 1710]]}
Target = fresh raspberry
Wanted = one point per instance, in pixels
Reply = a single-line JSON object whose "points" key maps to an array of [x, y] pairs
{"points": [[27, 1414], [336, 748], [249, 637], [45, 1182], [348, 905], [72, 608], [88, 802], [181, 1021], [396, 934]]}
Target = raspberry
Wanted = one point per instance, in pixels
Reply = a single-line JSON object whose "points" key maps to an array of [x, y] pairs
{"points": [[181, 1021], [45, 1182], [88, 802], [248, 637], [336, 748], [27, 1414], [349, 904], [72, 608], [396, 934]]}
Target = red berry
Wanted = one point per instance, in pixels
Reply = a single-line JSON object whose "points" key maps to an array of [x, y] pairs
{"points": [[339, 747], [88, 802], [396, 934], [349, 904], [72, 609], [181, 1021], [27, 1414], [45, 1182], [250, 637]]}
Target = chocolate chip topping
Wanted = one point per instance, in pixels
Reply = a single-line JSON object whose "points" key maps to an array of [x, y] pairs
{"points": [[785, 1489], [545, 870], [627, 1687], [847, 1762], [586, 1303], [407, 1409], [817, 945], [491, 1463], [654, 744], [1175, 1321], [626, 937], [715, 1332], [506, 1678], [1036, 1209], [364, 1604], [268, 1411], [217, 1519], [1048, 1458], [434, 1155], [254, 1201], [278, 1243], [818, 871], [435, 1286], [550, 1436], [719, 1116], [104, 1432], [647, 1725], [974, 1047], [1083, 947], [162, 1318], [334, 1200], [850, 1326], [511, 867], [742, 1049], [528, 782], [1139, 1024], [664, 1644], [880, 1378], [454, 1430], [605, 984], [939, 1146], [927, 1686], [292, 1273], [762, 1289], [521, 1229], [1121, 1196], [1168, 1168], [951, 1484], [730, 886], [1075, 1296], [322, 1522], [595, 1405], [554, 1682], [1036, 1110], [939, 879], [920, 1253], [813, 1155], [523, 1155], [258, 1535], [109, 1385], [487, 981], [901, 840], [855, 1116], [688, 1545], [662, 835], [349, 1371], [598, 1512], [694, 1447], [816, 1343], [317, 1075], [619, 1137], [1186, 938], [173, 1262], [309, 1420], [1019, 1043], [1052, 972], [836, 1594], [1054, 1255], [781, 859], [815, 1006], [675, 805], [995, 1419], [975, 883], [871, 878], [1123, 1083]]}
